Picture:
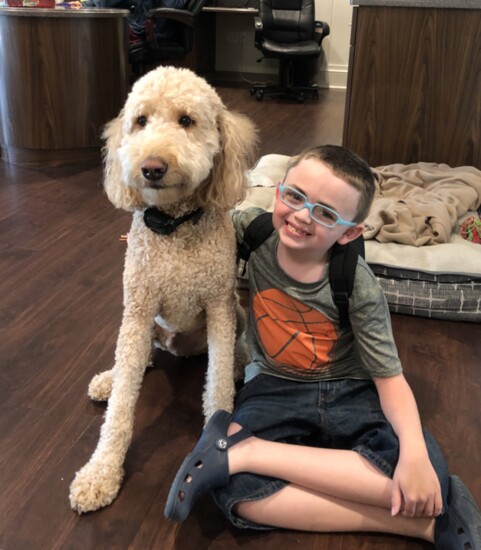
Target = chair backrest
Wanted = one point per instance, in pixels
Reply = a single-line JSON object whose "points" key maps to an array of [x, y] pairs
{"points": [[195, 6], [287, 21]]}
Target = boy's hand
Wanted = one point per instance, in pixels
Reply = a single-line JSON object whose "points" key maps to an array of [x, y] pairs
{"points": [[416, 489]]}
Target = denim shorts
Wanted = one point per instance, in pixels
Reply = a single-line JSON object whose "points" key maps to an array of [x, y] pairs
{"points": [[338, 414]]}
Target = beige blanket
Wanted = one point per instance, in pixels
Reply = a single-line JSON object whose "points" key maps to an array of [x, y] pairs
{"points": [[419, 204]]}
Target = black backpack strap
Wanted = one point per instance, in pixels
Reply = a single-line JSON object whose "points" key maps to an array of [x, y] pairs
{"points": [[358, 244], [342, 271], [255, 234]]}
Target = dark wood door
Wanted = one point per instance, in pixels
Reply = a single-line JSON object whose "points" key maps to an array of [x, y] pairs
{"points": [[414, 86]]}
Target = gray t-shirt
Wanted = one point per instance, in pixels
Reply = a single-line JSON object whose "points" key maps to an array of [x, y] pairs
{"points": [[294, 329]]}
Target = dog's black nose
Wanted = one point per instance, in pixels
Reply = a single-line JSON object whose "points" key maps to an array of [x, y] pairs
{"points": [[153, 169]]}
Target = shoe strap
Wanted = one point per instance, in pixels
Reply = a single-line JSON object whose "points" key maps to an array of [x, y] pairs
{"points": [[239, 436]]}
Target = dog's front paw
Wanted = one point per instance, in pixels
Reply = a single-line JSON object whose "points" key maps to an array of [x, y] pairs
{"points": [[100, 386], [95, 485]]}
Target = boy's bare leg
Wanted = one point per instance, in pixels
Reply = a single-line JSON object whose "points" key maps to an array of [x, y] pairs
{"points": [[332, 490], [301, 509], [344, 474]]}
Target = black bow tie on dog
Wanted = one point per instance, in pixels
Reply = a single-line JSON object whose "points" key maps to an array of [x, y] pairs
{"points": [[162, 223]]}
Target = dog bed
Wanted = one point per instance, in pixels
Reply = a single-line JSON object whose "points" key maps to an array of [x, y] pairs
{"points": [[423, 264]]}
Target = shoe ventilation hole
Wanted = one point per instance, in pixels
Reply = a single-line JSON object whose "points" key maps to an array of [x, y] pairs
{"points": [[181, 496], [467, 546], [188, 478], [199, 464]]}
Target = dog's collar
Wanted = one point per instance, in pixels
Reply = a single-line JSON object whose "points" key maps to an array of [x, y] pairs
{"points": [[162, 223]]}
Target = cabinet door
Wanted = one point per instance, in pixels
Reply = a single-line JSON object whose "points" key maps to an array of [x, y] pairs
{"points": [[414, 88]]}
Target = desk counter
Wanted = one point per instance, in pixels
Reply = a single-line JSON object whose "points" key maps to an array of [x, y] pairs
{"points": [[458, 4], [63, 75]]}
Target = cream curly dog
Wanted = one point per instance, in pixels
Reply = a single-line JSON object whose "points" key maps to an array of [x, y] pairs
{"points": [[176, 158]]}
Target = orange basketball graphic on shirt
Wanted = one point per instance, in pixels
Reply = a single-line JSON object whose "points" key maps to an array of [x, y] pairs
{"points": [[291, 332]]}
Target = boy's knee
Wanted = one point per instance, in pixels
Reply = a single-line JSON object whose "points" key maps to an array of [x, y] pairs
{"points": [[246, 509], [261, 511]]}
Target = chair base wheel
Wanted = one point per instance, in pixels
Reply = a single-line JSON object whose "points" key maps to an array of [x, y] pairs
{"points": [[292, 93]]}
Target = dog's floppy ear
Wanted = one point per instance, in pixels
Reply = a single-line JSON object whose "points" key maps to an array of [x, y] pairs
{"points": [[120, 194], [228, 185]]}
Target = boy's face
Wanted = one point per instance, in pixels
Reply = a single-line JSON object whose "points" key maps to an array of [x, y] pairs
{"points": [[316, 181]]}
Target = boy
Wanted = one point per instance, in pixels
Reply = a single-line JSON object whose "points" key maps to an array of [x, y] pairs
{"points": [[326, 434]]}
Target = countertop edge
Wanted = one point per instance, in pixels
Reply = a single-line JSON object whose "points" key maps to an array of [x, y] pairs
{"points": [[454, 4], [62, 12]]}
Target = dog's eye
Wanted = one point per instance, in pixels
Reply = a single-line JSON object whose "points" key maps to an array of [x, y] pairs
{"points": [[142, 121], [185, 121]]}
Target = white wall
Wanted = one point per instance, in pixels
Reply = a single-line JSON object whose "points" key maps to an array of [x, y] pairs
{"points": [[338, 13], [235, 49]]}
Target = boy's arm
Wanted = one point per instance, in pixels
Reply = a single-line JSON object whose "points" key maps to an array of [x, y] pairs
{"points": [[416, 488]]}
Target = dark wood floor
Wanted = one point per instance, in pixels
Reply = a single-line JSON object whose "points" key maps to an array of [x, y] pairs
{"points": [[60, 307]]}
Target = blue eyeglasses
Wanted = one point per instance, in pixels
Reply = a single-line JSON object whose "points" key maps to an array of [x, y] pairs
{"points": [[319, 213]]}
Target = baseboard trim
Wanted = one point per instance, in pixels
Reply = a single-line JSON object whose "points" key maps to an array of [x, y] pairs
{"points": [[335, 78]]}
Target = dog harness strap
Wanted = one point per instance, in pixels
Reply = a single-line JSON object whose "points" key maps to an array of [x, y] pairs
{"points": [[163, 224]]}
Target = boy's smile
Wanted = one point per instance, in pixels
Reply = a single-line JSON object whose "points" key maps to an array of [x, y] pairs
{"points": [[295, 231]]}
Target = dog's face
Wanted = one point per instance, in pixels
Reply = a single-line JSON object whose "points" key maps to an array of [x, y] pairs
{"points": [[168, 139]]}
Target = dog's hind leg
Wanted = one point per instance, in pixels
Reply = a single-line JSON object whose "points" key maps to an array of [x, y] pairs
{"points": [[98, 482], [100, 386], [221, 329]]}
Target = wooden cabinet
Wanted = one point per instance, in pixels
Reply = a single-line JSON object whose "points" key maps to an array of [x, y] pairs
{"points": [[63, 75], [414, 85]]}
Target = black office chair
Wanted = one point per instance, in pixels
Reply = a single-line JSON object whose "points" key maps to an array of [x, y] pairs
{"points": [[287, 30], [151, 51]]}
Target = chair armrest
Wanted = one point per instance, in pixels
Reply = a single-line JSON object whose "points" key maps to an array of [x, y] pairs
{"points": [[258, 30], [322, 30], [183, 16]]}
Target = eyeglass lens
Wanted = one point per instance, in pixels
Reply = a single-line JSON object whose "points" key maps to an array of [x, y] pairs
{"points": [[319, 213]]}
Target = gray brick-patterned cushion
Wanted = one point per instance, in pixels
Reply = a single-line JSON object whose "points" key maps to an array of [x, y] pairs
{"points": [[446, 296]]}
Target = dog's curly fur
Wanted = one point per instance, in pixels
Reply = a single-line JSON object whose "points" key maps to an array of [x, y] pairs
{"points": [[175, 123]]}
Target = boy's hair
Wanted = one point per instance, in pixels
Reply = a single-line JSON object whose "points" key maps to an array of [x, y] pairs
{"points": [[347, 166]]}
